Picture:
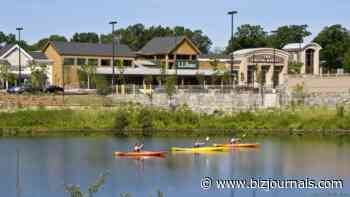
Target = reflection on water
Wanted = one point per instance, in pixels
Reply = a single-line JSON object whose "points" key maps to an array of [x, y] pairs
{"points": [[47, 164]]}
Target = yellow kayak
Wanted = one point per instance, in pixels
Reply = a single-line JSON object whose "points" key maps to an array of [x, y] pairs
{"points": [[238, 145], [197, 149]]}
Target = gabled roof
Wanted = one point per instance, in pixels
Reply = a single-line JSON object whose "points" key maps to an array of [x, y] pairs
{"points": [[4, 49], [90, 49], [165, 45]]}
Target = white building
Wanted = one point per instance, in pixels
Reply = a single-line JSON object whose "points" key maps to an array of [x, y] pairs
{"points": [[12, 54]]}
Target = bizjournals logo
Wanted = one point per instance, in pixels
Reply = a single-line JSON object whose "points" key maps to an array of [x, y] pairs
{"points": [[270, 184]]}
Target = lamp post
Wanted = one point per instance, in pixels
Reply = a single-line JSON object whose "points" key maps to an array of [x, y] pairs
{"points": [[113, 23], [232, 14], [19, 29]]}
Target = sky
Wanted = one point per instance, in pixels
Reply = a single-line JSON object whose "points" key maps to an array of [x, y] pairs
{"points": [[41, 18]]}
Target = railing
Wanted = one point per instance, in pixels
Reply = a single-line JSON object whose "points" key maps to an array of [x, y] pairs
{"points": [[187, 64]]}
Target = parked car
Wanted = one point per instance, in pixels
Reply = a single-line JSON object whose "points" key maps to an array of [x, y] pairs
{"points": [[16, 90], [54, 89]]}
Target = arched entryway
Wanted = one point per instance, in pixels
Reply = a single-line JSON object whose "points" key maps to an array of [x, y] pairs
{"points": [[309, 61]]}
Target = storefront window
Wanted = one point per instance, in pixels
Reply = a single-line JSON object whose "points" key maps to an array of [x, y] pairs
{"points": [[105, 62], [81, 61], [93, 62], [69, 61]]}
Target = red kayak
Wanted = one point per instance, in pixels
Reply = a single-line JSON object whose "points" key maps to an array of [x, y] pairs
{"points": [[140, 154]]}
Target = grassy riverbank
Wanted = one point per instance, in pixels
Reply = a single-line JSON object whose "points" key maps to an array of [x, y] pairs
{"points": [[138, 118]]}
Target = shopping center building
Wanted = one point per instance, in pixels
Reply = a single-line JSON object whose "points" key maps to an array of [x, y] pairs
{"points": [[179, 56]]}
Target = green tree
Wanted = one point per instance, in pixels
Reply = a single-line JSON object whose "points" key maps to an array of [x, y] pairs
{"points": [[170, 86], [294, 67], [136, 36], [248, 36], [335, 41], [5, 75], [90, 72], [42, 42], [121, 68], [89, 37], [288, 34], [7, 38], [38, 74], [346, 62], [216, 72]]}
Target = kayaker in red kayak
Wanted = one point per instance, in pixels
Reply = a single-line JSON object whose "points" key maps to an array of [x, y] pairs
{"points": [[201, 144], [138, 147]]}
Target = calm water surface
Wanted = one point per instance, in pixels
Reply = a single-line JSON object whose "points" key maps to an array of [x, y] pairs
{"points": [[47, 164]]}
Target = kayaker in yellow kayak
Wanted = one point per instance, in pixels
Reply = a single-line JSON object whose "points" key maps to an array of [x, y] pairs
{"points": [[138, 147], [235, 140], [201, 144]]}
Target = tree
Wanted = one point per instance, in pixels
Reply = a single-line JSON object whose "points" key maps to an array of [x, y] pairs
{"points": [[247, 36], [5, 75], [346, 62], [136, 36], [38, 74], [90, 72], [41, 43], [89, 37], [121, 68], [335, 41], [214, 63], [7, 38], [170, 86], [294, 67], [288, 34]]}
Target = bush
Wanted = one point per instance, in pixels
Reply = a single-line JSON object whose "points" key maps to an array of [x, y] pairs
{"points": [[121, 120], [145, 119], [102, 86]]}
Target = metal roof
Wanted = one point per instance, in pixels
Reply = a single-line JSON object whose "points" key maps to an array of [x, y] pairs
{"points": [[91, 49], [4, 49], [38, 55]]}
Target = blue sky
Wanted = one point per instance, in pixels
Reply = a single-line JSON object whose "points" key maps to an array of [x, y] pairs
{"points": [[41, 18]]}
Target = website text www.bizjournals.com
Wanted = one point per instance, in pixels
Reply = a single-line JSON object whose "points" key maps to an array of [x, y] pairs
{"points": [[270, 184]]}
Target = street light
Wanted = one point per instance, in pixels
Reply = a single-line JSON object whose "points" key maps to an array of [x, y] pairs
{"points": [[113, 23], [19, 29], [232, 14]]}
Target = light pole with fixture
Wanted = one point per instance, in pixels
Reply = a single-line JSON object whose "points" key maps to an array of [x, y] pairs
{"points": [[19, 29], [232, 14], [113, 23]]}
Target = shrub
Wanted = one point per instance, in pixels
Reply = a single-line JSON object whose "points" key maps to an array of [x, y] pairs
{"points": [[102, 86], [121, 120], [145, 119]]}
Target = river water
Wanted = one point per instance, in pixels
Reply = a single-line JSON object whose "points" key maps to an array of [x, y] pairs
{"points": [[47, 164]]}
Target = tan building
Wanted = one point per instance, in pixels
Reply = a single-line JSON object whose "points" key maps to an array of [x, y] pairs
{"points": [[68, 56], [171, 51], [253, 66], [307, 54]]}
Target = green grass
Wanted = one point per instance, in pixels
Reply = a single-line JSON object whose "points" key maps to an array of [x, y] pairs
{"points": [[136, 117]]}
